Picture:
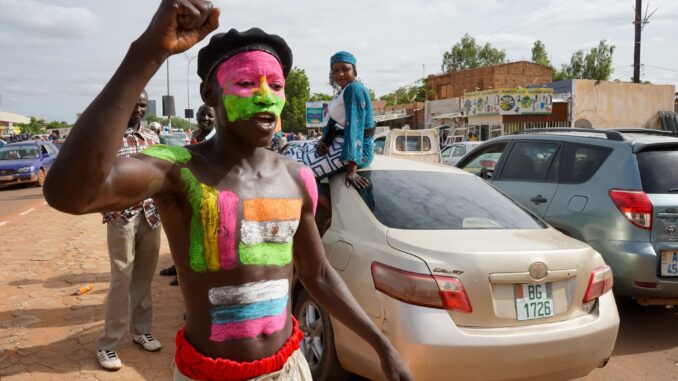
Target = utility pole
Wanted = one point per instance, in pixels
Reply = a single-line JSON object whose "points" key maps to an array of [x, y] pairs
{"points": [[636, 51], [639, 23], [169, 117]]}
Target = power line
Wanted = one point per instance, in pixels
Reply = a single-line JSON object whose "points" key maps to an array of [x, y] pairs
{"points": [[576, 16], [546, 17], [541, 13], [661, 68]]}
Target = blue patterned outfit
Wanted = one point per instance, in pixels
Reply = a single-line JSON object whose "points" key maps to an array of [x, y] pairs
{"points": [[351, 115]]}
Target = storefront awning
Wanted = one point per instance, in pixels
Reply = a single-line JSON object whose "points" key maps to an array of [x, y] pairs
{"points": [[450, 115]]}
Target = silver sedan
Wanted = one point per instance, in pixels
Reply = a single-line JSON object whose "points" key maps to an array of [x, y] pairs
{"points": [[466, 283]]}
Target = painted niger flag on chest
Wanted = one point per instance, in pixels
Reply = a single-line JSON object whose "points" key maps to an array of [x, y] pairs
{"points": [[267, 229]]}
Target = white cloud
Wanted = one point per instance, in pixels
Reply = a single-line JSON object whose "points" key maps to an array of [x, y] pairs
{"points": [[48, 21], [48, 50]]}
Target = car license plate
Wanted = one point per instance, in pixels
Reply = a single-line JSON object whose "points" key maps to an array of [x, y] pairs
{"points": [[534, 301], [669, 264], [5, 178]]}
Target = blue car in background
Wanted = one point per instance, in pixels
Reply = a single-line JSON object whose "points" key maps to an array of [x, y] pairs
{"points": [[26, 162]]}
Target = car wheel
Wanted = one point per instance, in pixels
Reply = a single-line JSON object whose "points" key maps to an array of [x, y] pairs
{"points": [[41, 178], [318, 344]]}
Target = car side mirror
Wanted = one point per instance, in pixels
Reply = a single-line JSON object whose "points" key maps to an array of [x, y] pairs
{"points": [[44, 155]]}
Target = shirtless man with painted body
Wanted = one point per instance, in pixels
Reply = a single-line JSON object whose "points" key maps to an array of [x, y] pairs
{"points": [[229, 207]]}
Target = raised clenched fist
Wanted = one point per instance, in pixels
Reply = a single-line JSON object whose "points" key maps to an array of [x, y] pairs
{"points": [[180, 24]]}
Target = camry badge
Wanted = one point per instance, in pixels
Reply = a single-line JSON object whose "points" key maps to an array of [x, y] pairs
{"points": [[671, 229], [538, 270]]}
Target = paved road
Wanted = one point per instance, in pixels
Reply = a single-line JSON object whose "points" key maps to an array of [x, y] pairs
{"points": [[19, 199], [46, 333]]}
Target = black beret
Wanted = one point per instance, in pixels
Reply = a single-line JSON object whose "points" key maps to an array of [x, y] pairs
{"points": [[223, 46]]}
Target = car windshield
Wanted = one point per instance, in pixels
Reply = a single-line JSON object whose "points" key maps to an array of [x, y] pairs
{"points": [[19, 152], [416, 200]]}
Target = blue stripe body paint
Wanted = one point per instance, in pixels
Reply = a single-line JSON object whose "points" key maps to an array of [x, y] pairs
{"points": [[242, 312]]}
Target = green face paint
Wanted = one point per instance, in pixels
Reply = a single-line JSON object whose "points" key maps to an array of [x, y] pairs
{"points": [[239, 108], [173, 154]]}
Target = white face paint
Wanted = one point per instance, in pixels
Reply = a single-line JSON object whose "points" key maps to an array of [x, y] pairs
{"points": [[249, 293], [254, 233]]}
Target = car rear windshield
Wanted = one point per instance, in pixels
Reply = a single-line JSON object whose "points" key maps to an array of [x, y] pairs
{"points": [[19, 152], [441, 201], [659, 170]]}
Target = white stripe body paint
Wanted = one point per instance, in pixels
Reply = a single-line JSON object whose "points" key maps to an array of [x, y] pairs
{"points": [[254, 233], [2, 223], [26, 212], [249, 292]]}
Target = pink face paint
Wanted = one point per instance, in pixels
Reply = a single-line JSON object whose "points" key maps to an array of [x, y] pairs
{"points": [[311, 187], [250, 73], [228, 220], [249, 328]]}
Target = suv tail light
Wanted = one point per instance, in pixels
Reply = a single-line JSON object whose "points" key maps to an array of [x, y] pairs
{"points": [[634, 205], [600, 282], [421, 289]]}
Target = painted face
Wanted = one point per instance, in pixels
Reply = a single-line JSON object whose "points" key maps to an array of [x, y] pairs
{"points": [[253, 88]]}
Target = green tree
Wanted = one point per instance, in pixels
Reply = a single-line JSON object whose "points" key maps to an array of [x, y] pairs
{"points": [[539, 54], [596, 64], [297, 93], [319, 97], [177, 122], [415, 92], [35, 126], [467, 54]]}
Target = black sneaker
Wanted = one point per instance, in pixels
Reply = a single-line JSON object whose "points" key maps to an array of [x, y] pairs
{"points": [[170, 271], [174, 282]]}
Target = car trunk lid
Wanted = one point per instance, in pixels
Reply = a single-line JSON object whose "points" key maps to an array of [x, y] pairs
{"points": [[494, 264]]}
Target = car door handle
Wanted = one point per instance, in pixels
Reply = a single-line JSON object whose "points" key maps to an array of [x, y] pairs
{"points": [[667, 215], [538, 200]]}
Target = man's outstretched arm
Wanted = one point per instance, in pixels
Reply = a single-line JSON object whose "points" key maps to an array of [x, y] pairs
{"points": [[87, 176], [330, 291]]}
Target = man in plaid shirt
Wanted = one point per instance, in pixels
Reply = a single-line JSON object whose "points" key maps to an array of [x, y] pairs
{"points": [[133, 247]]}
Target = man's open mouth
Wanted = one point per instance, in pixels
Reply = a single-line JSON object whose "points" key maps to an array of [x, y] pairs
{"points": [[265, 120]]}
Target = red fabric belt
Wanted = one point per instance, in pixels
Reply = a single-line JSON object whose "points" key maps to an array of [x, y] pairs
{"points": [[198, 367]]}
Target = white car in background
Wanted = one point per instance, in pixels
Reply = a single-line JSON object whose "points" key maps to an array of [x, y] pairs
{"points": [[454, 152], [420, 145], [466, 283]]}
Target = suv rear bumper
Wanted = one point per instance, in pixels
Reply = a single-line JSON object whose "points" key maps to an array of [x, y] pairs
{"points": [[633, 262]]}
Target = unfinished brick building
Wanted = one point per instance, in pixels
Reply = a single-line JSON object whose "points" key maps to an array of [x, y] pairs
{"points": [[509, 75]]}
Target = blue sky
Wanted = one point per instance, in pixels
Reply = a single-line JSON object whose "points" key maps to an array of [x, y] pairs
{"points": [[58, 54]]}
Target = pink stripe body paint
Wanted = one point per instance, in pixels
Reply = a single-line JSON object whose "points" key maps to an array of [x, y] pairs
{"points": [[249, 328], [228, 221], [306, 174]]}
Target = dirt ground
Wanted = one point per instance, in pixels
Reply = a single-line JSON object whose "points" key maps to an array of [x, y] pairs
{"points": [[46, 333]]}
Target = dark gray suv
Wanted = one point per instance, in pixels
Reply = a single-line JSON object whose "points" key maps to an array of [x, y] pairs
{"points": [[616, 190]]}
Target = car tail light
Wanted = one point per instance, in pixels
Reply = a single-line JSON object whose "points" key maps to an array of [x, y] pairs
{"points": [[600, 282], [421, 289], [634, 205]]}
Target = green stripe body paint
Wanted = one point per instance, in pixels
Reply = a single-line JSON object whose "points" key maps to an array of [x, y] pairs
{"points": [[239, 108], [264, 254], [196, 250], [173, 154]]}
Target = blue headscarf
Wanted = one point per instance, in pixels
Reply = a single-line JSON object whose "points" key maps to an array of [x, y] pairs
{"points": [[343, 57]]}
